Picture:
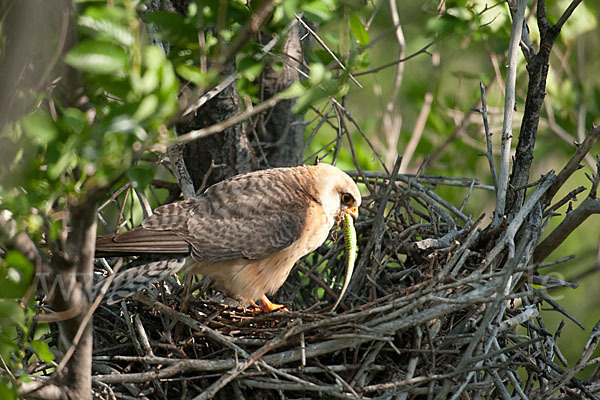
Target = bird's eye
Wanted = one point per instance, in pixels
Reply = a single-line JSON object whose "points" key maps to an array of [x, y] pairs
{"points": [[347, 199]]}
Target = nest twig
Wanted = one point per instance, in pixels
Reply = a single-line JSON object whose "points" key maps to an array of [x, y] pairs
{"points": [[432, 313]]}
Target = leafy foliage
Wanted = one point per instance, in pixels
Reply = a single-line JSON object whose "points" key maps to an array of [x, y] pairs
{"points": [[131, 93], [17, 344]]}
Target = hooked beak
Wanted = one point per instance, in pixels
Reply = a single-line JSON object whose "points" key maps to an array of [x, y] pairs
{"points": [[353, 211]]}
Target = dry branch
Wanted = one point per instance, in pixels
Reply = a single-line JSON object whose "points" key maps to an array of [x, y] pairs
{"points": [[509, 106]]}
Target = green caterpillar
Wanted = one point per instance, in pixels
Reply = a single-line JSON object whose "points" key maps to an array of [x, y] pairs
{"points": [[351, 246]]}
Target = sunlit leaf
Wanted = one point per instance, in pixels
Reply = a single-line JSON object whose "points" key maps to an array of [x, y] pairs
{"points": [[358, 29], [115, 14], [154, 57], [42, 350], [97, 57], [296, 89], [146, 108], [317, 10], [317, 73], [194, 74], [107, 29]]}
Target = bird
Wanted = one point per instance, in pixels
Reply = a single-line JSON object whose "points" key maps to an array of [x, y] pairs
{"points": [[245, 233]]}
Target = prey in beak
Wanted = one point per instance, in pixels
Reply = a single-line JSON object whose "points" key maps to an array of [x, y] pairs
{"points": [[351, 247], [352, 211]]}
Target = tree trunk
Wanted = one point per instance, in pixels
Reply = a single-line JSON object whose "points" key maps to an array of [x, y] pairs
{"points": [[272, 139]]}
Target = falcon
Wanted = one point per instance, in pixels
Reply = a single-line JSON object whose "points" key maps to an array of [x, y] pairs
{"points": [[246, 232]]}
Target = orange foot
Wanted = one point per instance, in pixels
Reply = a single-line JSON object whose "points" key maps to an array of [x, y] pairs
{"points": [[268, 306]]}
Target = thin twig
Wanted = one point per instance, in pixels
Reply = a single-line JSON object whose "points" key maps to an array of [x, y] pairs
{"points": [[221, 126], [488, 137], [326, 48]]}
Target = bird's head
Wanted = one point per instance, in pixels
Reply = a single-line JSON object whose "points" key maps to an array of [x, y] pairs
{"points": [[338, 193]]}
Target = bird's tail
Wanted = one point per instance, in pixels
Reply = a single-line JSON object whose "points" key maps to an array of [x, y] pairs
{"points": [[139, 274]]}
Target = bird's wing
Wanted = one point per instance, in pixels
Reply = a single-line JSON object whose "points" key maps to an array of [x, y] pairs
{"points": [[141, 241], [251, 216]]}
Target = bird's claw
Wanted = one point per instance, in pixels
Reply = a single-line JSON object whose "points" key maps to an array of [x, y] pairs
{"points": [[268, 306]]}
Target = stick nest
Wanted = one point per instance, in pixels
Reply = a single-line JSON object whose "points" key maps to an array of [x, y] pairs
{"points": [[431, 312]]}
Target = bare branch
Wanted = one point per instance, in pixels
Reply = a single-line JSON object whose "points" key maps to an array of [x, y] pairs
{"points": [[537, 69], [488, 137], [572, 195], [423, 50], [219, 127], [509, 235], [573, 164], [326, 48], [571, 221], [566, 15], [509, 106]]}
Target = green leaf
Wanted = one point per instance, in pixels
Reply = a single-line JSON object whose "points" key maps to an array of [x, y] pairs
{"points": [[296, 89], [363, 60], [42, 350], [7, 392], [112, 13], [140, 176], [195, 75], [97, 57], [154, 57], [312, 96], [317, 10], [35, 223], [320, 56], [15, 275], [74, 120], [107, 29], [39, 128], [250, 68], [66, 158], [289, 7], [358, 30], [172, 26], [444, 25], [146, 108], [169, 89], [318, 72], [10, 311]]}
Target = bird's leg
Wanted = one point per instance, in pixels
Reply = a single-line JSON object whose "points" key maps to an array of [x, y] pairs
{"points": [[268, 305]]}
